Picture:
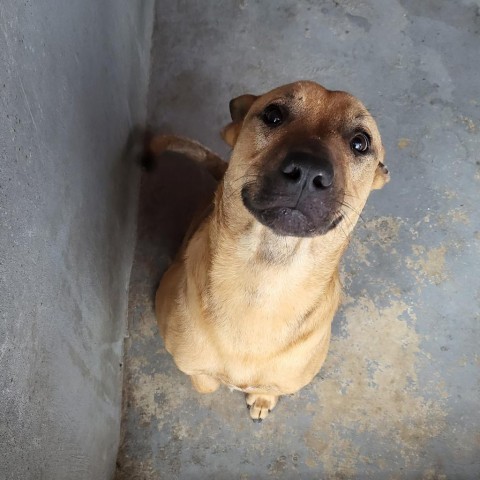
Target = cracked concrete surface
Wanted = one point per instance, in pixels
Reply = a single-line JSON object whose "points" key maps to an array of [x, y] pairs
{"points": [[398, 396]]}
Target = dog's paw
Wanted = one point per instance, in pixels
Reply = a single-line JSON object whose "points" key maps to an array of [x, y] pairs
{"points": [[204, 383], [260, 405]]}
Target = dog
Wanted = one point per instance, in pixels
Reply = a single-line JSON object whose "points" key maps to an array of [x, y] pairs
{"points": [[250, 298]]}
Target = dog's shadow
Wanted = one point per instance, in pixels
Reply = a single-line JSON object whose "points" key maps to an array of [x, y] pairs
{"points": [[170, 193]]}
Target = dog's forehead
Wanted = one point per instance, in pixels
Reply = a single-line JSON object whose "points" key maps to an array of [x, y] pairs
{"points": [[319, 104]]}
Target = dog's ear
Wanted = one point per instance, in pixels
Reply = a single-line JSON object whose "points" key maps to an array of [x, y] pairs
{"points": [[239, 108], [382, 176]]}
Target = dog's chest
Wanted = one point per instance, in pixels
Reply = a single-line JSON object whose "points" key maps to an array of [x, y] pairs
{"points": [[245, 286], [258, 306]]}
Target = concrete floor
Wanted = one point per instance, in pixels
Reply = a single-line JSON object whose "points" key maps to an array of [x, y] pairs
{"points": [[398, 396]]}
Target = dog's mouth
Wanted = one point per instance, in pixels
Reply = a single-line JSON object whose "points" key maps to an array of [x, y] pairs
{"points": [[293, 221], [336, 221]]}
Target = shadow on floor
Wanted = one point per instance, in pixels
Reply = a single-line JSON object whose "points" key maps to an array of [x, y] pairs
{"points": [[169, 196]]}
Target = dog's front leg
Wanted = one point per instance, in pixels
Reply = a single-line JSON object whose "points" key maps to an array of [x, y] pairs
{"points": [[260, 405], [204, 383]]}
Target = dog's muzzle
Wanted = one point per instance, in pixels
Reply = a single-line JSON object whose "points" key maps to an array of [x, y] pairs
{"points": [[301, 197]]}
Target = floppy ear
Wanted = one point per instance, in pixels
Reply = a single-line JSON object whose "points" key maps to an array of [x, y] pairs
{"points": [[239, 108], [382, 176]]}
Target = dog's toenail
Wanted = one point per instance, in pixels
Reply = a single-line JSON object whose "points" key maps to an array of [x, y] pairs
{"points": [[257, 420], [249, 406]]}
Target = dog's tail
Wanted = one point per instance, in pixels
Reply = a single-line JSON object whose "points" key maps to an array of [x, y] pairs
{"points": [[150, 146]]}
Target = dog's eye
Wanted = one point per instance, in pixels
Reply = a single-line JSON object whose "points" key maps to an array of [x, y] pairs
{"points": [[360, 143], [273, 116]]}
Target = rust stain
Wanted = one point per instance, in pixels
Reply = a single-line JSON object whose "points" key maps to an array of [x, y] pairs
{"points": [[371, 388], [472, 127], [147, 327], [403, 143], [360, 250], [450, 194], [433, 474], [130, 468], [382, 233], [146, 387], [386, 230], [429, 264], [458, 215]]}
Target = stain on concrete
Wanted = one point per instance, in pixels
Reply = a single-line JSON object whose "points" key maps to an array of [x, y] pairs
{"points": [[380, 371], [470, 125], [380, 233], [403, 143], [433, 474], [428, 263], [359, 21]]}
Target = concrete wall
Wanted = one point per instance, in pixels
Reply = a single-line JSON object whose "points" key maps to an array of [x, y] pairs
{"points": [[73, 79]]}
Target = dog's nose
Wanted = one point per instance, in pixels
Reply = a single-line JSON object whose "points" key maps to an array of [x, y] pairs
{"points": [[304, 168]]}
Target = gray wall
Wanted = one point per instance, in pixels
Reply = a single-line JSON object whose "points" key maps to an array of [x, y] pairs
{"points": [[73, 79]]}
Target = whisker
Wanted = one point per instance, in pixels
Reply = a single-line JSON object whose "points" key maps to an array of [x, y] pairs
{"points": [[350, 195], [236, 190], [341, 227], [347, 218], [349, 221], [353, 210], [253, 175]]}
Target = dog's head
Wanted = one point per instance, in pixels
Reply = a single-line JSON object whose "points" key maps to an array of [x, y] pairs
{"points": [[304, 158]]}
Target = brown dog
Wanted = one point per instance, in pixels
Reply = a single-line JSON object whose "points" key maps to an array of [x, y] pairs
{"points": [[250, 299]]}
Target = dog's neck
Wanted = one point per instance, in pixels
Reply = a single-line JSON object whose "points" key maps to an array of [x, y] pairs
{"points": [[235, 235]]}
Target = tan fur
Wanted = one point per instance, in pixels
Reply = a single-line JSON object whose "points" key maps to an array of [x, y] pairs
{"points": [[242, 305]]}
